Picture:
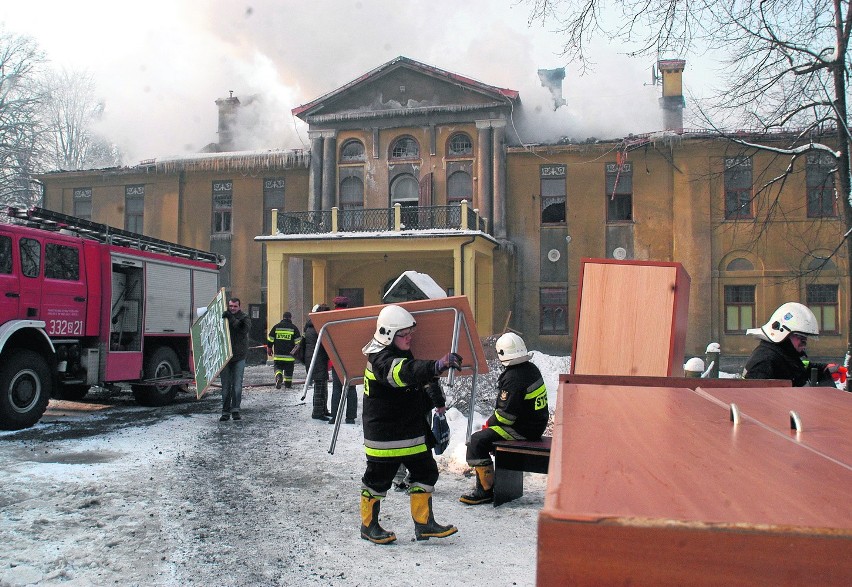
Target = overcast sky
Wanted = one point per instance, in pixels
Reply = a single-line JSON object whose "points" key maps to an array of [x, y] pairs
{"points": [[160, 65]]}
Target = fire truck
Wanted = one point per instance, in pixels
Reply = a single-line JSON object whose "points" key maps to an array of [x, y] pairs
{"points": [[84, 304]]}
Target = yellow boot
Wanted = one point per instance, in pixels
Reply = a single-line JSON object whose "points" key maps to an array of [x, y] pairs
{"points": [[425, 526], [370, 529], [484, 491]]}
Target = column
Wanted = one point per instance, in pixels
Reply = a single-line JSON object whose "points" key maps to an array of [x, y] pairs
{"points": [[484, 198], [498, 152], [315, 176], [329, 170]]}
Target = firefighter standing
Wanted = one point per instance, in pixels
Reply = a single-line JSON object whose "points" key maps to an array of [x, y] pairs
{"points": [[395, 429], [279, 342], [521, 413]]}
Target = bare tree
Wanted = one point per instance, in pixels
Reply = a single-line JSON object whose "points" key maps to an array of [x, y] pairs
{"points": [[787, 69], [20, 121], [71, 114]]}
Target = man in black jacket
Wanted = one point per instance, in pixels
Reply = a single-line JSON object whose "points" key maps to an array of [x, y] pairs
{"points": [[239, 325], [780, 354], [279, 343], [521, 413], [396, 429]]}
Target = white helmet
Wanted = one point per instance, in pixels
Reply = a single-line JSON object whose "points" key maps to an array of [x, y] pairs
{"points": [[511, 349], [791, 317], [391, 320]]}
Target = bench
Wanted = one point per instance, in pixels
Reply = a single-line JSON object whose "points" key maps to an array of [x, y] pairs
{"points": [[511, 459]]}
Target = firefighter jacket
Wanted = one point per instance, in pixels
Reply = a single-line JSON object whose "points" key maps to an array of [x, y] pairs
{"points": [[521, 403], [399, 393], [771, 360], [313, 345], [281, 340]]}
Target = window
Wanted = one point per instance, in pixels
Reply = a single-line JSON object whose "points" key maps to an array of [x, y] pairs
{"points": [[5, 254], [553, 307], [30, 257], [405, 148], [273, 198], [405, 190], [223, 192], [740, 264], [83, 203], [351, 151], [460, 145], [738, 188], [552, 178], [822, 300], [134, 207], [459, 187], [819, 177], [61, 262], [351, 192], [619, 192], [739, 308]]}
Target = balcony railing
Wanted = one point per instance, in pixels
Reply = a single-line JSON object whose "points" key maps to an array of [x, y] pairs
{"points": [[454, 217]]}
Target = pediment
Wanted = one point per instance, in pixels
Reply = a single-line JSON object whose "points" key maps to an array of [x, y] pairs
{"points": [[403, 88]]}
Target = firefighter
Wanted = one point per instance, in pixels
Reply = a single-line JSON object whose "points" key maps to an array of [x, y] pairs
{"points": [[780, 354], [396, 430], [521, 413], [279, 342]]}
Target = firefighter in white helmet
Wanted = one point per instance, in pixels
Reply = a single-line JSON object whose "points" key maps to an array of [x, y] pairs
{"points": [[521, 413], [780, 354], [399, 394]]}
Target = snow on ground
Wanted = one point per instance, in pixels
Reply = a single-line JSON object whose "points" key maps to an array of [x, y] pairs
{"points": [[104, 492]]}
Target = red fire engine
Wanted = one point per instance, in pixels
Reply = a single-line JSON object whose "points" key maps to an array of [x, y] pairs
{"points": [[83, 304]]}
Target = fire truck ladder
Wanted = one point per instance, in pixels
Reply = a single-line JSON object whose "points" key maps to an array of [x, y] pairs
{"points": [[50, 220]]}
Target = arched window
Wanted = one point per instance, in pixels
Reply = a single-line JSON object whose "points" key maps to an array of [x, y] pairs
{"points": [[819, 263], [351, 193], [459, 145], [405, 148], [405, 190], [740, 264], [352, 150], [459, 187]]}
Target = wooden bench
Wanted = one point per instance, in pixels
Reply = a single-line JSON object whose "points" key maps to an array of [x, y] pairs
{"points": [[511, 459]]}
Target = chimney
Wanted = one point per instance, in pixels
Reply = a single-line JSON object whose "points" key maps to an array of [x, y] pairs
{"points": [[672, 101], [552, 80], [228, 110]]}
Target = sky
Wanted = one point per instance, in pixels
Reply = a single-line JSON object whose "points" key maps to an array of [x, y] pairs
{"points": [[159, 66]]}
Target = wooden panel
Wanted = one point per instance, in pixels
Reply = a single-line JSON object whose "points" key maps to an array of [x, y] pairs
{"points": [[825, 414], [690, 382], [655, 485], [349, 330], [631, 318]]}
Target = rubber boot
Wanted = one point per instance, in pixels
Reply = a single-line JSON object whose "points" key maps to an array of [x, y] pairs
{"points": [[370, 529], [425, 526], [484, 491]]}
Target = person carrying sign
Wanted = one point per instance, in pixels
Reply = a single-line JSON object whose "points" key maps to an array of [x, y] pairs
{"points": [[279, 342], [239, 325], [396, 431]]}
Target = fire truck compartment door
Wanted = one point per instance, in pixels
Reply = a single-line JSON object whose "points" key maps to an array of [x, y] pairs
{"points": [[168, 298]]}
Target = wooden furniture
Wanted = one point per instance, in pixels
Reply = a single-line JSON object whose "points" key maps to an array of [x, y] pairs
{"points": [[657, 486], [631, 318], [511, 459]]}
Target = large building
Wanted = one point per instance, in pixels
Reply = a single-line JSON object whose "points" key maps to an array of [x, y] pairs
{"points": [[411, 168]]}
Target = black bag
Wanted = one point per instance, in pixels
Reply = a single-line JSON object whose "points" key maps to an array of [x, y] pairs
{"points": [[441, 432], [298, 350]]}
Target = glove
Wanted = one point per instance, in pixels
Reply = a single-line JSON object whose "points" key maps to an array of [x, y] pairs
{"points": [[837, 372], [225, 314], [268, 352], [448, 361]]}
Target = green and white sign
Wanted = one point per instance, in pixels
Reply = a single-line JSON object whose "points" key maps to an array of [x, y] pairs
{"points": [[211, 344]]}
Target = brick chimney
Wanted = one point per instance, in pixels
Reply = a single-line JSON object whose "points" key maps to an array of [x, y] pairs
{"points": [[672, 101], [228, 110]]}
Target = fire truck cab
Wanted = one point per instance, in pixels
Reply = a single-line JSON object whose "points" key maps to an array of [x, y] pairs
{"points": [[85, 304]]}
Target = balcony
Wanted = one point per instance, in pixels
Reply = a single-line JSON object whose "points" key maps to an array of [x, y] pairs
{"points": [[396, 219]]}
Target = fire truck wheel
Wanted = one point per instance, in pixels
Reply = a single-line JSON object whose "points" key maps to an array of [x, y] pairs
{"points": [[25, 386], [163, 363]]}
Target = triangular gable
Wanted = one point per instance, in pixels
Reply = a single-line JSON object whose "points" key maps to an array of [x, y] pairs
{"points": [[427, 89]]}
